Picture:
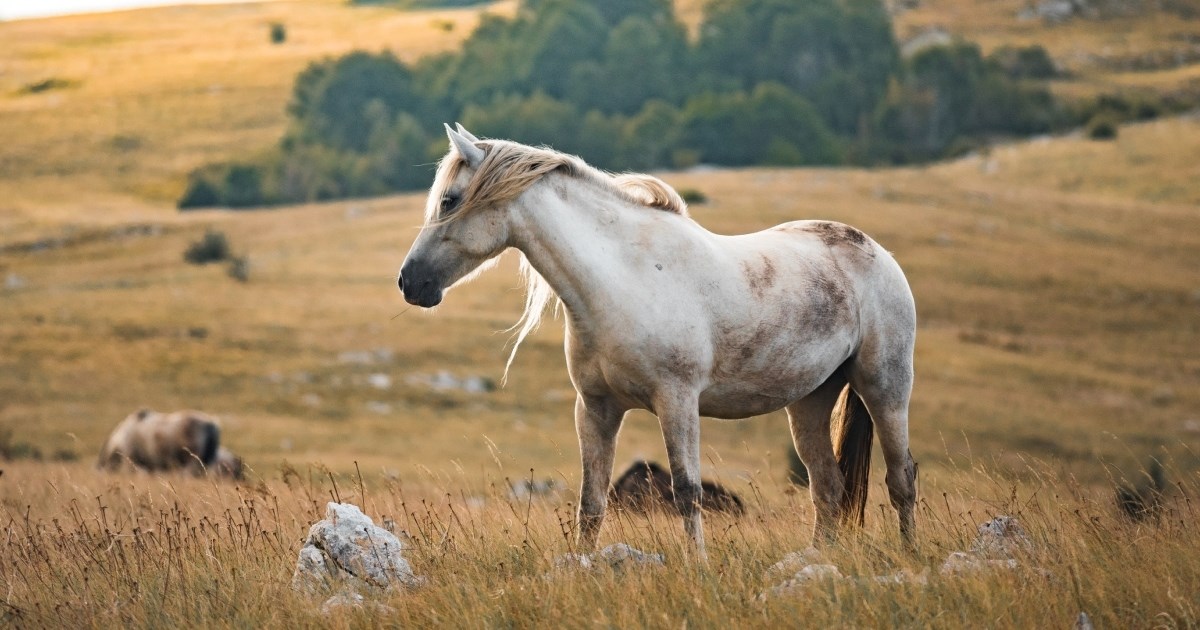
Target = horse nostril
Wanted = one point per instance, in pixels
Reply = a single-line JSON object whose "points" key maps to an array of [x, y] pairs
{"points": [[400, 282]]}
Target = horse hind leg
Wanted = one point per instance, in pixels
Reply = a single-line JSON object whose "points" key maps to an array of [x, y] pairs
{"points": [[886, 394], [809, 422]]}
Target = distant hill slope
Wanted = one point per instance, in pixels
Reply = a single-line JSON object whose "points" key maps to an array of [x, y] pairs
{"points": [[1056, 281], [111, 111]]}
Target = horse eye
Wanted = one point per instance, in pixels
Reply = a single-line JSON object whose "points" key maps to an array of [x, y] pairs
{"points": [[448, 203]]}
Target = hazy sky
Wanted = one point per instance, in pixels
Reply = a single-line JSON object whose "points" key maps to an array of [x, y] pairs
{"points": [[13, 9]]}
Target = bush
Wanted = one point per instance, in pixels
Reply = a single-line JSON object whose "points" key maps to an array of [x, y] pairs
{"points": [[772, 125], [10, 450], [278, 33], [213, 247], [1102, 126], [201, 192], [1030, 62], [693, 195], [240, 185], [617, 82]]}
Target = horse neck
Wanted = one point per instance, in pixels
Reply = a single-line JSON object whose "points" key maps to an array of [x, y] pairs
{"points": [[582, 246]]}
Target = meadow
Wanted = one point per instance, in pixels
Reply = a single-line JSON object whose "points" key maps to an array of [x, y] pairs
{"points": [[1058, 290]]}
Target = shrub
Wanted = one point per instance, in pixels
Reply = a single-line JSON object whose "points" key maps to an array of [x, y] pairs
{"points": [[693, 195], [1102, 126], [213, 247], [278, 33], [1030, 62], [201, 192], [240, 185], [45, 85], [10, 450]]}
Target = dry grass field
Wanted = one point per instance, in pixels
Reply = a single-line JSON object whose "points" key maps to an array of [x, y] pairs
{"points": [[1058, 291]]}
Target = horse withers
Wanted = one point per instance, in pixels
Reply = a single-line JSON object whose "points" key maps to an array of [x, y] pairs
{"points": [[813, 317]]}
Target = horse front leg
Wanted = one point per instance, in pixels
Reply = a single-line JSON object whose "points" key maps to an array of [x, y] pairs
{"points": [[679, 418], [597, 422]]}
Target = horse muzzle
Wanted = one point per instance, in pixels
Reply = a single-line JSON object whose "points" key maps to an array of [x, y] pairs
{"points": [[418, 285]]}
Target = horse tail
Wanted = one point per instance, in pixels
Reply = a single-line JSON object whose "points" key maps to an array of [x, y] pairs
{"points": [[852, 430]]}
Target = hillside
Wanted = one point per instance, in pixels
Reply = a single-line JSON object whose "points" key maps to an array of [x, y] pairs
{"points": [[1057, 283], [118, 108]]}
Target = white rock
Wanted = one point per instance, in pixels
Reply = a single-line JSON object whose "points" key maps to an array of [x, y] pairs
{"points": [[1003, 538], [904, 576], [356, 357], [572, 561], [379, 380], [803, 578], [312, 575], [342, 600], [348, 547], [352, 600], [620, 555], [379, 407], [959, 563], [617, 557], [526, 488], [794, 562]]}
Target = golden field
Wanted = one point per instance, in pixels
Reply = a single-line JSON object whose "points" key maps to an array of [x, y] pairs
{"points": [[1058, 291]]}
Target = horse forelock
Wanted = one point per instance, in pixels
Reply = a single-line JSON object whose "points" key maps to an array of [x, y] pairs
{"points": [[509, 169]]}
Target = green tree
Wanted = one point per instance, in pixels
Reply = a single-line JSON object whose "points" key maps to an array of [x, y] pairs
{"points": [[837, 54], [330, 100], [772, 122], [642, 61]]}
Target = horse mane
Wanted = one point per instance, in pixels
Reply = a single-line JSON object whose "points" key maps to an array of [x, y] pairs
{"points": [[651, 191], [509, 169]]}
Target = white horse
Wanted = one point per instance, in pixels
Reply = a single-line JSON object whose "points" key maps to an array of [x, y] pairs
{"points": [[811, 316]]}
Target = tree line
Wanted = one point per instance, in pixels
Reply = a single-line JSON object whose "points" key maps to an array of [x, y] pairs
{"points": [[620, 83]]}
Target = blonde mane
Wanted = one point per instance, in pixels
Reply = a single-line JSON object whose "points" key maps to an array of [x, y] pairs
{"points": [[509, 169]]}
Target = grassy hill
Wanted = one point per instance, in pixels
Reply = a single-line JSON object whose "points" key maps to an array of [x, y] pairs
{"points": [[1057, 284]]}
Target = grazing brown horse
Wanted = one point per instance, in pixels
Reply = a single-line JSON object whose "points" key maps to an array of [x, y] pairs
{"points": [[181, 440], [646, 486]]}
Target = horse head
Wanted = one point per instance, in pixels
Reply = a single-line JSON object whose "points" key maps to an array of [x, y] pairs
{"points": [[461, 232]]}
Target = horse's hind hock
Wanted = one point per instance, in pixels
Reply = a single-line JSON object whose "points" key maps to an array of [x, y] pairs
{"points": [[902, 490]]}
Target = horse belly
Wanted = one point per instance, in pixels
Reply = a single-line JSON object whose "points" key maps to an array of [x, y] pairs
{"points": [[737, 399]]}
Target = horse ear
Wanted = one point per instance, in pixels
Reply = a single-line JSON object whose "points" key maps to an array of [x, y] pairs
{"points": [[466, 148], [466, 134]]}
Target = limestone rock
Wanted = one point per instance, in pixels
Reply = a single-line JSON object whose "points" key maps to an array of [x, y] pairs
{"points": [[1003, 538], [959, 563], [617, 557], [794, 562], [348, 548], [620, 555]]}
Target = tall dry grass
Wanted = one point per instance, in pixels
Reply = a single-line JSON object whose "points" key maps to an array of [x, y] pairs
{"points": [[135, 551]]}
